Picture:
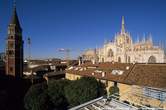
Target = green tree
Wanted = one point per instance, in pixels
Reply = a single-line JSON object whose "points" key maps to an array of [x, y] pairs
{"points": [[36, 98], [56, 93], [82, 90], [59, 94], [114, 90], [101, 89]]}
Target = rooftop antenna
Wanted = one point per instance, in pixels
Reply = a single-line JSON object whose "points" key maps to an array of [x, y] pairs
{"points": [[66, 51]]}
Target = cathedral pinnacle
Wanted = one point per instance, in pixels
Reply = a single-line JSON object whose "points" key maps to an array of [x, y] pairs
{"points": [[123, 27]]}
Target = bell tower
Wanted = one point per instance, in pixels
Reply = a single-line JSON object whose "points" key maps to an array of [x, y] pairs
{"points": [[14, 47]]}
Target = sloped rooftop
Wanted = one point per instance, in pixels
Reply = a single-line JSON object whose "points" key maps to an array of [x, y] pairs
{"points": [[152, 75]]}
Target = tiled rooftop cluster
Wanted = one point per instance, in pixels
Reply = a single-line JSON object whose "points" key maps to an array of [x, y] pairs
{"points": [[152, 75]]}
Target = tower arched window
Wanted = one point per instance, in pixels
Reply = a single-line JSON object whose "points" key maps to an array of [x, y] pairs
{"points": [[11, 69]]}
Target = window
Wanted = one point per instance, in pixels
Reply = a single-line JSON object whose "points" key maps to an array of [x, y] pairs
{"points": [[128, 59], [152, 59], [119, 59], [128, 40], [11, 69], [11, 52], [11, 37], [153, 93], [102, 59], [110, 53]]}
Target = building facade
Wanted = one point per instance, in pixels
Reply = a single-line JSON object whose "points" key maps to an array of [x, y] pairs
{"points": [[123, 49], [139, 84], [14, 48]]}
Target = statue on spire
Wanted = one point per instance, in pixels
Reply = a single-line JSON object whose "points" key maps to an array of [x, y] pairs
{"points": [[123, 27]]}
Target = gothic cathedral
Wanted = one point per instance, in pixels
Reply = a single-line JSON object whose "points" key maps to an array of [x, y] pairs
{"points": [[123, 49]]}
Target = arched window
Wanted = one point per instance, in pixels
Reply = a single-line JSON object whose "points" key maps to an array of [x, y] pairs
{"points": [[119, 59], [102, 59], [152, 59], [128, 40], [11, 37], [128, 59], [110, 53]]}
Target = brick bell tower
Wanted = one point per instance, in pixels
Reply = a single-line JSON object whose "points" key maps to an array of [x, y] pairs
{"points": [[14, 48]]}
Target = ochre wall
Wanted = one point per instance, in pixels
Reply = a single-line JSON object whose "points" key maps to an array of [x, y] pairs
{"points": [[126, 92]]}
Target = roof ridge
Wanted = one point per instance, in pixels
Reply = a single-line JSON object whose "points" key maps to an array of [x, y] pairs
{"points": [[134, 65]]}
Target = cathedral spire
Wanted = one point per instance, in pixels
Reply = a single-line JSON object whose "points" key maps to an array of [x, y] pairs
{"points": [[123, 27], [14, 19], [150, 38], [138, 39]]}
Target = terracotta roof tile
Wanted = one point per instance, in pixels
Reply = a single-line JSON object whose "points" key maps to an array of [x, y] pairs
{"points": [[152, 75]]}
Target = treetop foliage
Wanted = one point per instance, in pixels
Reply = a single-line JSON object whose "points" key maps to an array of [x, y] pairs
{"points": [[63, 94]]}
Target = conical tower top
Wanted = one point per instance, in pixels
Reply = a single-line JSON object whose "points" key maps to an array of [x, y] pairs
{"points": [[14, 19], [123, 27]]}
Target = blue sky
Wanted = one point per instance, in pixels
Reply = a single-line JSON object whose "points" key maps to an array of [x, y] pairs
{"points": [[81, 24]]}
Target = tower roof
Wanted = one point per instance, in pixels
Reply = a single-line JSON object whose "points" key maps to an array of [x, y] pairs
{"points": [[14, 19]]}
